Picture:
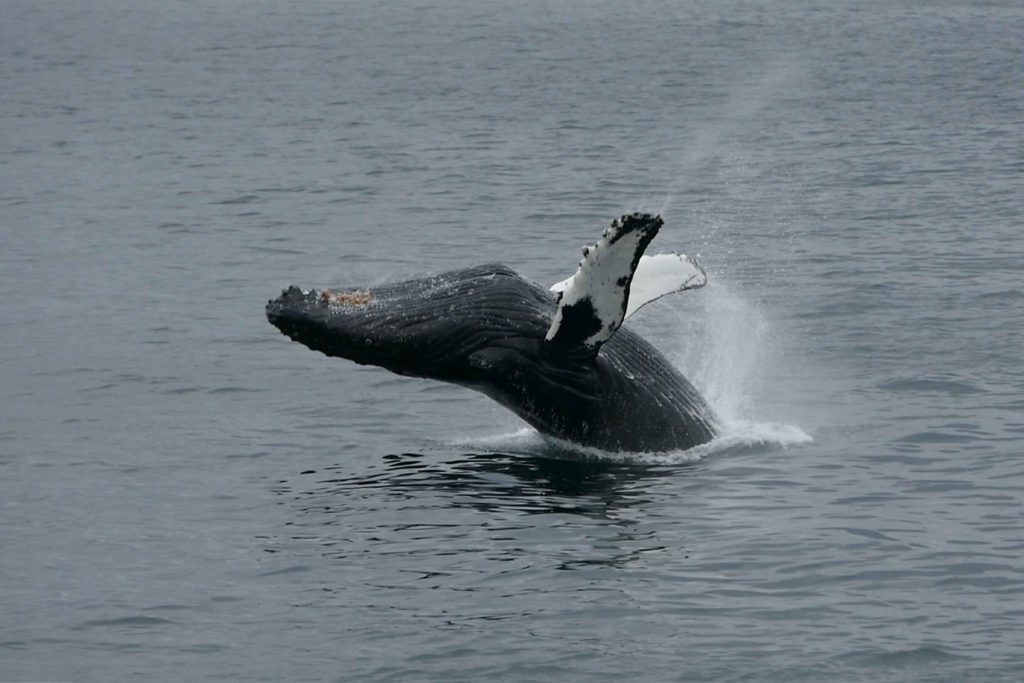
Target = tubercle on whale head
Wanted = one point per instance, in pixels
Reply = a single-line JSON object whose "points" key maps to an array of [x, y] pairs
{"points": [[334, 322], [355, 297]]}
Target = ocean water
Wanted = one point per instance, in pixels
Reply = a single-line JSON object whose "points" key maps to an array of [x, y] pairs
{"points": [[187, 495]]}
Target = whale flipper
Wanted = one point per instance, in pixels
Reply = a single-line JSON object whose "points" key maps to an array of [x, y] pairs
{"points": [[655, 276], [593, 305], [663, 274]]}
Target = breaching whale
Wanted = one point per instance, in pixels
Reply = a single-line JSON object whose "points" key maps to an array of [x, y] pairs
{"points": [[559, 358]]}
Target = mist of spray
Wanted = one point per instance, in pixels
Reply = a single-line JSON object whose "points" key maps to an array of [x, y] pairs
{"points": [[736, 115]]}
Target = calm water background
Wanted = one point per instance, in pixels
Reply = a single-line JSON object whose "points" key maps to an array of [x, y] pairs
{"points": [[187, 495]]}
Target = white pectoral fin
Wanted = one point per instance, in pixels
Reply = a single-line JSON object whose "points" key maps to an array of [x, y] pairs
{"points": [[564, 284], [663, 274], [655, 276], [592, 303]]}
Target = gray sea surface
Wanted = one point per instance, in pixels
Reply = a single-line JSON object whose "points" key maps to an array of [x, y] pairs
{"points": [[185, 494]]}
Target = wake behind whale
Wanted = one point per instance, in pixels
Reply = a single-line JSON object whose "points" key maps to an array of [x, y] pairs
{"points": [[562, 361]]}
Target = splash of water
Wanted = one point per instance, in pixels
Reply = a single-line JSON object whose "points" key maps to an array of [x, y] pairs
{"points": [[529, 441], [721, 348], [723, 341]]}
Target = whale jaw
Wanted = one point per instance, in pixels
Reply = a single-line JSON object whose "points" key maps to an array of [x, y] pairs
{"points": [[428, 327]]}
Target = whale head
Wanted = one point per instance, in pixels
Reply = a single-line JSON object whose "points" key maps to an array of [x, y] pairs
{"points": [[428, 327]]}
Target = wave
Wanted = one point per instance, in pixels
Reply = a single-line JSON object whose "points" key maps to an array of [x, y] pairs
{"points": [[737, 436]]}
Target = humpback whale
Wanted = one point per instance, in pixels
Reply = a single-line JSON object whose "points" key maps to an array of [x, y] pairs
{"points": [[559, 358]]}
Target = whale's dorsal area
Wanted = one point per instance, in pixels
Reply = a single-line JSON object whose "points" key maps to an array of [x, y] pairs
{"points": [[593, 305], [654, 277]]}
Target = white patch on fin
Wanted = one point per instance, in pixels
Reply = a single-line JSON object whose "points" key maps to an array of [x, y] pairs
{"points": [[593, 303], [663, 274], [655, 276]]}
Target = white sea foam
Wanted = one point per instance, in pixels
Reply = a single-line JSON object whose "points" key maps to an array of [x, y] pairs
{"points": [[735, 436], [522, 438]]}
